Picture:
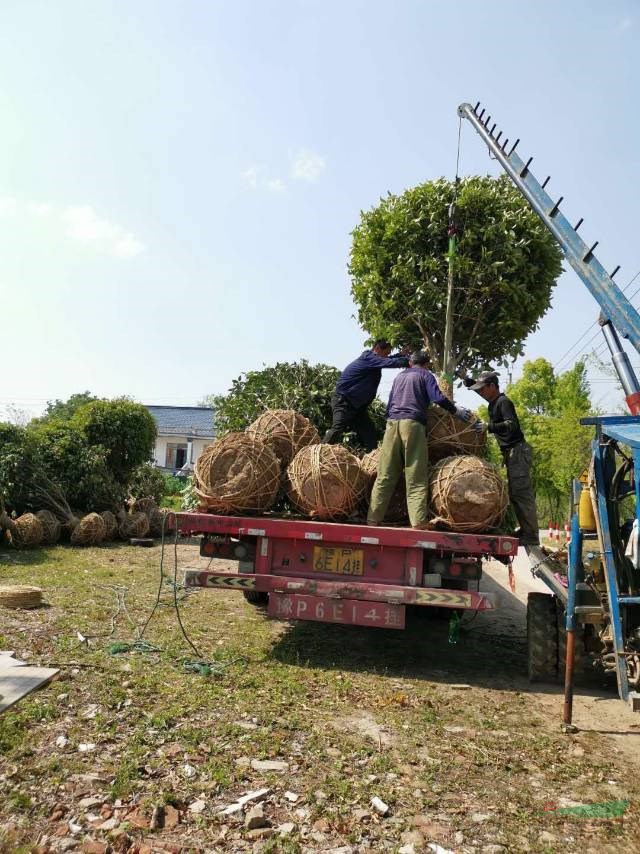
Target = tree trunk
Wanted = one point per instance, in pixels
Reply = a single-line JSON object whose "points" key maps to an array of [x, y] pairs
{"points": [[446, 377]]}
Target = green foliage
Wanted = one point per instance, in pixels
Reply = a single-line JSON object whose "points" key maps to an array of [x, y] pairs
{"points": [[189, 497], [79, 468], [305, 388], [17, 457], [505, 268], [173, 485], [550, 408], [147, 481], [126, 430], [63, 410]]}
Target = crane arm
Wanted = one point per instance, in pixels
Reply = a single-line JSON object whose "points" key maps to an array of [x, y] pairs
{"points": [[617, 313]]}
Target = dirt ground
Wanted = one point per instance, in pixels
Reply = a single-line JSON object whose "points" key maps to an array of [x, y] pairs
{"points": [[133, 750]]}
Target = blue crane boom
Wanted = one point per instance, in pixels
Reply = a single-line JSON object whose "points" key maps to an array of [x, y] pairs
{"points": [[617, 313]]}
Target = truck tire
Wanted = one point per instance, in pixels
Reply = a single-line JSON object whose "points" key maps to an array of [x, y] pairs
{"points": [[542, 638], [256, 597]]}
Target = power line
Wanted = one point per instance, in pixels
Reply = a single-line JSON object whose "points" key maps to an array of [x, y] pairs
{"points": [[595, 323]]}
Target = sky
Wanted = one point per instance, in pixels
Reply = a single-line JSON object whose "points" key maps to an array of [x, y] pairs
{"points": [[179, 180]]}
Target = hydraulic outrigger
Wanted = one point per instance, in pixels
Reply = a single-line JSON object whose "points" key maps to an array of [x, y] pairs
{"points": [[602, 595]]}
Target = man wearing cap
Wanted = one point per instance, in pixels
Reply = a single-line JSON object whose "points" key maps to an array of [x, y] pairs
{"points": [[355, 391], [517, 454], [405, 441]]}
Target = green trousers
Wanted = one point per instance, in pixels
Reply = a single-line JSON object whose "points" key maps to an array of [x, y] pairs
{"points": [[404, 447]]}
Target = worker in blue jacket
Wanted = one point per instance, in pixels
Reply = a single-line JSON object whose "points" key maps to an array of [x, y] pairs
{"points": [[356, 389]]}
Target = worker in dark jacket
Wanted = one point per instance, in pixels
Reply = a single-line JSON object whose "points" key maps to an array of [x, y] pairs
{"points": [[404, 446], [355, 391], [517, 454]]}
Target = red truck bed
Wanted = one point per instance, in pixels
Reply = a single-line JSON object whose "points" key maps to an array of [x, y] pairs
{"points": [[344, 573]]}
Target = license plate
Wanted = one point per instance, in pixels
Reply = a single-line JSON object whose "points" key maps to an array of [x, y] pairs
{"points": [[323, 609], [338, 561]]}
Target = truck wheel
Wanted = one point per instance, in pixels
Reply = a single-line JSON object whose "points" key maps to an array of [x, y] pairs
{"points": [[542, 638], [256, 597]]}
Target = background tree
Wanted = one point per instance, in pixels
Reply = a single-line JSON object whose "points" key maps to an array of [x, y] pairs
{"points": [[504, 271], [305, 388], [66, 409], [126, 430], [550, 408]]}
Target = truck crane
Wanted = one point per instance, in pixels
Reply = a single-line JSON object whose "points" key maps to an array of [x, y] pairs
{"points": [[600, 606]]}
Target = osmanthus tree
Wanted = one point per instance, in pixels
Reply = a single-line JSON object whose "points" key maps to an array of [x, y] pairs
{"points": [[503, 272]]}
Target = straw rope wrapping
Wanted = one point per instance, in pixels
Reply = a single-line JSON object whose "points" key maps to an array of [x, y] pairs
{"points": [[448, 436], [50, 527], [20, 596], [89, 531], [237, 474], [467, 494], [397, 510], [285, 431], [26, 531], [110, 525], [325, 481], [143, 505], [134, 525]]}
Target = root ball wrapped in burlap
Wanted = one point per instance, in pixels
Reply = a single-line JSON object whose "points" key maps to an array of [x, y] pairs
{"points": [[50, 527], [397, 510], [134, 525], [325, 481], [143, 505], [237, 474], [26, 531], [467, 494], [89, 531], [448, 436], [286, 432], [161, 516], [110, 525]]}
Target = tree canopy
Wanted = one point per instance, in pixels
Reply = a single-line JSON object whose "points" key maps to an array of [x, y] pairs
{"points": [[550, 407], [504, 270], [305, 388]]}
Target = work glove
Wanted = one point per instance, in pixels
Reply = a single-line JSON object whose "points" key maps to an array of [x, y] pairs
{"points": [[479, 426], [463, 413]]}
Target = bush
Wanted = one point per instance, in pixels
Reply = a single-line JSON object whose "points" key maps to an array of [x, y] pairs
{"points": [[147, 482], [125, 430], [17, 459], [80, 469], [173, 485]]}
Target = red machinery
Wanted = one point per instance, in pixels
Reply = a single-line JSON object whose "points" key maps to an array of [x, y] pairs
{"points": [[342, 573]]}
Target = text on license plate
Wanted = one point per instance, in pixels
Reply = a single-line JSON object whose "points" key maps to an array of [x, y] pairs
{"points": [[340, 561], [297, 606]]}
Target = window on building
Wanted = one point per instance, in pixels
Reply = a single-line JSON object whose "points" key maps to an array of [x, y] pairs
{"points": [[176, 456]]}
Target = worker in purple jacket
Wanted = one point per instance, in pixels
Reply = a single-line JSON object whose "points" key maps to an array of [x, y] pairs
{"points": [[356, 389], [404, 446]]}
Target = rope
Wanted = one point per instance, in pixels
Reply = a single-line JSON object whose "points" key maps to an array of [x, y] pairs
{"points": [[479, 487], [285, 431], [325, 481]]}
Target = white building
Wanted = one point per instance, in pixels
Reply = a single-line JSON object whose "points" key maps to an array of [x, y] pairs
{"points": [[183, 433]]}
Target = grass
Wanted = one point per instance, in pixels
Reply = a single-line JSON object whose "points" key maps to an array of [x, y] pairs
{"points": [[355, 713]]}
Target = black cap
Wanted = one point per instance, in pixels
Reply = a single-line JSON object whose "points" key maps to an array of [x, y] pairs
{"points": [[486, 378]]}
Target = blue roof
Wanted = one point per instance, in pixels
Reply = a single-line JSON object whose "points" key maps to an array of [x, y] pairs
{"points": [[183, 420]]}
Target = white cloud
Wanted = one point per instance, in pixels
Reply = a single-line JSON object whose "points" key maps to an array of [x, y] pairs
{"points": [[79, 222], [250, 177], [275, 185], [39, 208], [83, 224], [307, 165]]}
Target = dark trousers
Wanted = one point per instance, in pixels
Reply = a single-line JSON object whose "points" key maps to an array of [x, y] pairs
{"points": [[345, 418], [518, 461]]}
